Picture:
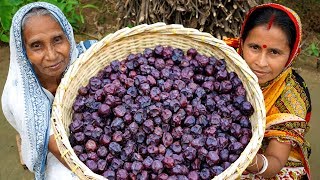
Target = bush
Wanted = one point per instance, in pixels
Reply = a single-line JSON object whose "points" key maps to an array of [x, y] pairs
{"points": [[71, 8]]}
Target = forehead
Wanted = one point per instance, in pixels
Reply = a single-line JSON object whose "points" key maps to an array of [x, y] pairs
{"points": [[273, 37], [37, 19], [40, 25]]}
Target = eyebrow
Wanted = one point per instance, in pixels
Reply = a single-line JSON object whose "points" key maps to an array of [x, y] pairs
{"points": [[36, 40], [253, 44], [274, 49]]}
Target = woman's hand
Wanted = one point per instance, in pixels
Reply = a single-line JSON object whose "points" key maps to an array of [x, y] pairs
{"points": [[53, 148], [277, 154]]}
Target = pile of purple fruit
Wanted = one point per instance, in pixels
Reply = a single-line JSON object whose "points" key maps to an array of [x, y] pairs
{"points": [[161, 114]]}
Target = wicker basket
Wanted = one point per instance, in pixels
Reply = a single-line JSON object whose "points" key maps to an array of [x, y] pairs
{"points": [[133, 40]]}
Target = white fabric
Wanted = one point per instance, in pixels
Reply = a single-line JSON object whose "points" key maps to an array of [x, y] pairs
{"points": [[24, 103], [57, 171], [51, 98]]}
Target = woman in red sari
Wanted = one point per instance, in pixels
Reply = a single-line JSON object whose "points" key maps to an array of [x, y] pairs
{"points": [[269, 43]]}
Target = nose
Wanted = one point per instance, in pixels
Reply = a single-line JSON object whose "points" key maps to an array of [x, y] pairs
{"points": [[262, 61], [51, 53]]}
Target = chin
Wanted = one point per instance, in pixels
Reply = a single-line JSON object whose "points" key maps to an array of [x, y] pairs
{"points": [[264, 82], [56, 74]]}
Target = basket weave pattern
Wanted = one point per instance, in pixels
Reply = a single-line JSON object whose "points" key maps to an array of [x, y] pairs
{"points": [[134, 40]]}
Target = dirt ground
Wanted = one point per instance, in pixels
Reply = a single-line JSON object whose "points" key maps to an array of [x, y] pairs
{"points": [[10, 167], [312, 78]]}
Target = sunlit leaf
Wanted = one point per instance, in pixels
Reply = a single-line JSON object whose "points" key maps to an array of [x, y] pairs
{"points": [[82, 19], [90, 6], [62, 7], [316, 52], [54, 2], [69, 8], [74, 2], [4, 38]]}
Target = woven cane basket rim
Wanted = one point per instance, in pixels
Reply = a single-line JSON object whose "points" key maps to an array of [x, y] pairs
{"points": [[133, 40]]}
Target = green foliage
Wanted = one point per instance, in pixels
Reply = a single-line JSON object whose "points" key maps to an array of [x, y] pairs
{"points": [[71, 8], [314, 50]]}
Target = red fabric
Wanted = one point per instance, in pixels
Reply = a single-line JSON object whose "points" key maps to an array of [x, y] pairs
{"points": [[233, 42], [308, 117]]}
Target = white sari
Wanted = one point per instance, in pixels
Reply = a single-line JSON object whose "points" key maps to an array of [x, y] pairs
{"points": [[27, 105]]}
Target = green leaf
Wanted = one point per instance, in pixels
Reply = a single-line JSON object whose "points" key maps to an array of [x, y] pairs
{"points": [[5, 10], [15, 2], [54, 2], [73, 2], [90, 6], [313, 46], [4, 38], [6, 23], [313, 50], [77, 17], [316, 52], [72, 21], [69, 8], [61, 6], [82, 19]]}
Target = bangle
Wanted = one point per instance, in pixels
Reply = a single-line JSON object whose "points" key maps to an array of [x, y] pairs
{"points": [[265, 164], [256, 161]]}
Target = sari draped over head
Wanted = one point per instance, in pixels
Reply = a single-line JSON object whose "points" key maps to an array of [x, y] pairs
{"points": [[25, 103], [288, 106]]}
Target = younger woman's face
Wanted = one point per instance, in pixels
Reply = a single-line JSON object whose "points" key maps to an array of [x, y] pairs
{"points": [[266, 51], [47, 46]]}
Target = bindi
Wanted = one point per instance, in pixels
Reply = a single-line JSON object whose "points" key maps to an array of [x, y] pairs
{"points": [[264, 46]]}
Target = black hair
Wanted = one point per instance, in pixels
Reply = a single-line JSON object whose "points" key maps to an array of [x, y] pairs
{"points": [[262, 16]]}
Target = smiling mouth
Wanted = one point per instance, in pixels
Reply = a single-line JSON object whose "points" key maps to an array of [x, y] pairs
{"points": [[55, 65], [259, 73]]}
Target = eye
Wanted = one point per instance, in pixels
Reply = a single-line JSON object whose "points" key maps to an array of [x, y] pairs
{"points": [[57, 39], [36, 46], [274, 51], [254, 47]]}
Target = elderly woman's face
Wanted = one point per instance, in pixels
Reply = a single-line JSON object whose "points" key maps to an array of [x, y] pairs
{"points": [[266, 51], [48, 48]]}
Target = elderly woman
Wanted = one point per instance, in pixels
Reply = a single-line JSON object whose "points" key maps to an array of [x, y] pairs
{"points": [[42, 46], [269, 43]]}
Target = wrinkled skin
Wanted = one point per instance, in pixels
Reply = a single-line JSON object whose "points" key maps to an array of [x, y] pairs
{"points": [[48, 49]]}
